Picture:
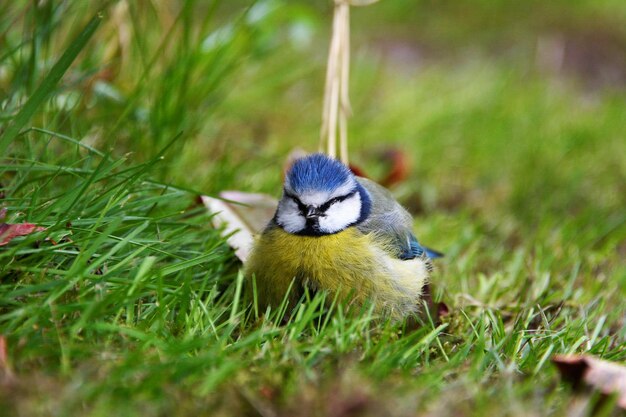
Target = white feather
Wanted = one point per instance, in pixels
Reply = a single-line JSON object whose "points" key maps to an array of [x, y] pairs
{"points": [[288, 216], [345, 189], [341, 214], [316, 198]]}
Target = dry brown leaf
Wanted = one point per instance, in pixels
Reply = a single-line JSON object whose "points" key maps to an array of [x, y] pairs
{"points": [[6, 373], [4, 362], [399, 167], [10, 231], [242, 215], [607, 377]]}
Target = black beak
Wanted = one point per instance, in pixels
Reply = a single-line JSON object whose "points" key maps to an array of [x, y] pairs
{"points": [[312, 212]]}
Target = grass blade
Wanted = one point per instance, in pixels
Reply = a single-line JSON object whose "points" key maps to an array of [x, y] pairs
{"points": [[49, 83]]}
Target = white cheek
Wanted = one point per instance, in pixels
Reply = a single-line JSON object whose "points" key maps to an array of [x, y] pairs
{"points": [[341, 215], [288, 216]]}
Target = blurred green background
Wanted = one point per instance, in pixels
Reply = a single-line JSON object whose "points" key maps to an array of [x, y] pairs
{"points": [[512, 116]]}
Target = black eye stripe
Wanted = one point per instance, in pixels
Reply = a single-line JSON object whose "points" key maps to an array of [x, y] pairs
{"points": [[300, 204], [302, 207], [339, 199]]}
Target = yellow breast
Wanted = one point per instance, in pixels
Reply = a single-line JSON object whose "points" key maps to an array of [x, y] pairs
{"points": [[343, 263]]}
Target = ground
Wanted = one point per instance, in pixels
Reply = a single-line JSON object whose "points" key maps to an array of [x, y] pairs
{"points": [[510, 116]]}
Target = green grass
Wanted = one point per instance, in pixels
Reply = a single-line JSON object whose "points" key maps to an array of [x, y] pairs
{"points": [[130, 303]]}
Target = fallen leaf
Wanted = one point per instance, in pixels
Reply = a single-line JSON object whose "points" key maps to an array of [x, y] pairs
{"points": [[6, 373], [242, 215], [256, 210], [268, 392], [607, 377], [398, 167], [3, 353], [356, 170], [442, 309], [10, 231]]}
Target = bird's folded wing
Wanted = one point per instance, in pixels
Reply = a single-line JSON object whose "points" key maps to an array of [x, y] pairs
{"points": [[392, 222]]}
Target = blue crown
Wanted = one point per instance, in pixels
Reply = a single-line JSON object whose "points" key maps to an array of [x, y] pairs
{"points": [[318, 172]]}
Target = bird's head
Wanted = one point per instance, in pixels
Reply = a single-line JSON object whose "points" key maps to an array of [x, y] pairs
{"points": [[321, 196]]}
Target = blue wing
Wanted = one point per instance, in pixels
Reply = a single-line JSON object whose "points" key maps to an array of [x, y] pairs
{"points": [[415, 250], [388, 219]]}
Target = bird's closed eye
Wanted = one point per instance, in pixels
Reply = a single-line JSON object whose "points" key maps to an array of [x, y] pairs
{"points": [[332, 201], [296, 200], [329, 203]]}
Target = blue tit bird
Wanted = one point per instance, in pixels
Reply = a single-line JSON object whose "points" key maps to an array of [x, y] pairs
{"points": [[340, 233]]}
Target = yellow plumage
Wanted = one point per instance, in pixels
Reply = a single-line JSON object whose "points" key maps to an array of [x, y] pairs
{"points": [[351, 263]]}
